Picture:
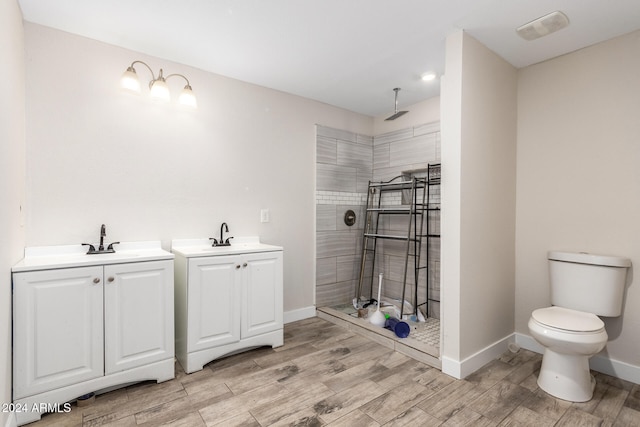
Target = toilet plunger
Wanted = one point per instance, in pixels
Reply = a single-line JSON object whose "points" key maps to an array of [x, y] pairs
{"points": [[378, 318]]}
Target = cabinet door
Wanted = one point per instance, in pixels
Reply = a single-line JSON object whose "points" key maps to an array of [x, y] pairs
{"points": [[262, 286], [57, 329], [213, 302], [138, 314]]}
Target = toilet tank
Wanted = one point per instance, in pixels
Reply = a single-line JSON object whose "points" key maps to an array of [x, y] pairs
{"points": [[588, 282]]}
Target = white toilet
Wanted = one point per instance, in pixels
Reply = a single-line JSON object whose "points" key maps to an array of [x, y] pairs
{"points": [[583, 287]]}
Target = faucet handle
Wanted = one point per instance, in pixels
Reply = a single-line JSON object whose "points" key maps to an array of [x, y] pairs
{"points": [[215, 241], [226, 242], [110, 247], [92, 248]]}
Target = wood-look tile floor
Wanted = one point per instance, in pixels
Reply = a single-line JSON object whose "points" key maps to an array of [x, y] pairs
{"points": [[327, 375]]}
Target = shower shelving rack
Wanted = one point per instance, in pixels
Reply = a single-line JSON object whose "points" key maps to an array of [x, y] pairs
{"points": [[414, 199]]}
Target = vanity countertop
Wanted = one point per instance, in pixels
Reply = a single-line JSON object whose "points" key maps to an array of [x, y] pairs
{"points": [[65, 256], [191, 248]]}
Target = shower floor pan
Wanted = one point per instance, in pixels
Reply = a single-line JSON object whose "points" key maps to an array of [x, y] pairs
{"points": [[422, 344]]}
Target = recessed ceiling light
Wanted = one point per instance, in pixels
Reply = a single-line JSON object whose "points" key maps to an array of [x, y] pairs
{"points": [[428, 76]]}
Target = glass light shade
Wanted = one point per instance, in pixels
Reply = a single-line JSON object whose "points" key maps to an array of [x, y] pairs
{"points": [[160, 90], [130, 81], [188, 98]]}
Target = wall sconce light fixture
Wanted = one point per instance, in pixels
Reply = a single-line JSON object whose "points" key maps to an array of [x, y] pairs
{"points": [[158, 88]]}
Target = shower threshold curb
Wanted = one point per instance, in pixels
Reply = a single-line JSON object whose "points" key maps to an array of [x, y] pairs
{"points": [[410, 347]]}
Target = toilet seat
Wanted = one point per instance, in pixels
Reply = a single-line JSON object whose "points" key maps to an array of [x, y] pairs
{"points": [[567, 320]]}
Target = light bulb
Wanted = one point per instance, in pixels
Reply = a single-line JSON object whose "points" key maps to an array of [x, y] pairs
{"points": [[130, 81], [160, 90], [187, 97]]}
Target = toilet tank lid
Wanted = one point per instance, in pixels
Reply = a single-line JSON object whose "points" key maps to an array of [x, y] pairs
{"points": [[587, 258]]}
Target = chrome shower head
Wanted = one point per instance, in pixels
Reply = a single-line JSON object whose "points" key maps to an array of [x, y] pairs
{"points": [[397, 113]]}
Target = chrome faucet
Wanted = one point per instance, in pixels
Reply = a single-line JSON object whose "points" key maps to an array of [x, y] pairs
{"points": [[223, 228], [101, 250]]}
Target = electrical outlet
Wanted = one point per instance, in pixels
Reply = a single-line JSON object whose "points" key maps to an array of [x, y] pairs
{"points": [[264, 215]]}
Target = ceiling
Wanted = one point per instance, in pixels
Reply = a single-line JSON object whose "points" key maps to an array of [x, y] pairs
{"points": [[346, 53]]}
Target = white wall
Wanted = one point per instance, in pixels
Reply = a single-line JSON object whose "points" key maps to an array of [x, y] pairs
{"points": [[478, 203], [12, 163], [156, 172], [579, 174]]}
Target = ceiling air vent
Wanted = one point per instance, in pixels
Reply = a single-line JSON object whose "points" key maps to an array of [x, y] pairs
{"points": [[543, 26]]}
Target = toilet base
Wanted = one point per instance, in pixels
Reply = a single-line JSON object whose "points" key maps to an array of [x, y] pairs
{"points": [[566, 376]]}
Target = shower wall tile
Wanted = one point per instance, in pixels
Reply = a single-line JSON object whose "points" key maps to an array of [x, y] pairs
{"points": [[335, 293], [336, 133], [434, 309], [421, 148], [381, 156], [426, 128], [393, 136], [398, 224], [335, 178], [326, 270], [395, 248], [395, 268], [335, 243], [340, 198], [385, 174], [355, 155], [362, 181], [326, 150], [434, 249], [364, 139], [348, 268], [325, 217]]}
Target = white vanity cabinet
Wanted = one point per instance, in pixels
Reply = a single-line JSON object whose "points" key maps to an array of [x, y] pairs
{"points": [[138, 314], [227, 299], [80, 328]]}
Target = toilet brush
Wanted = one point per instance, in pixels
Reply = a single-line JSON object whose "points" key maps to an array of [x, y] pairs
{"points": [[378, 318]]}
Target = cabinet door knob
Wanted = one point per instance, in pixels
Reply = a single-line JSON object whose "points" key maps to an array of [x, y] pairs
{"points": [[244, 265], [110, 279], [96, 280], [237, 266]]}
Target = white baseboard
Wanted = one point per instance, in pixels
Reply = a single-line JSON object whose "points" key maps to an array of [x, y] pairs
{"points": [[464, 368], [599, 362], [299, 314]]}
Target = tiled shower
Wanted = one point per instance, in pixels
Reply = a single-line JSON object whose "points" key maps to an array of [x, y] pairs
{"points": [[345, 162]]}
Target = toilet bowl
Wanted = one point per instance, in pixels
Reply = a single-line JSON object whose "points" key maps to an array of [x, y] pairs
{"points": [[570, 338], [583, 286]]}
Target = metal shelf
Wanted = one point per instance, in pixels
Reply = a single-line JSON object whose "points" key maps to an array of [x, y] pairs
{"points": [[418, 189]]}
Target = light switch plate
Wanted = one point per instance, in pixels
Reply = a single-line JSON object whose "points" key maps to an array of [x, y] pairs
{"points": [[264, 215]]}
